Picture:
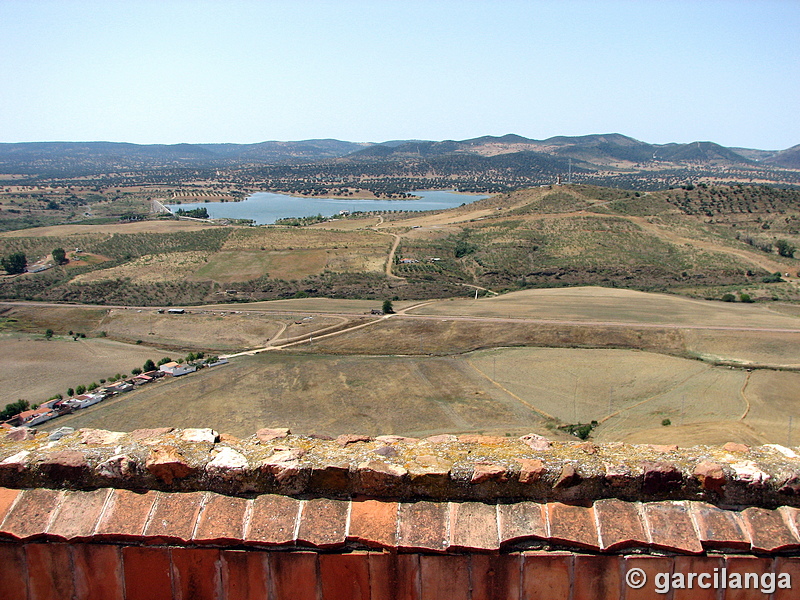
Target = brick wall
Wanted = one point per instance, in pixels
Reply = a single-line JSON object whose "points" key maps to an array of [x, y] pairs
{"points": [[60, 571]]}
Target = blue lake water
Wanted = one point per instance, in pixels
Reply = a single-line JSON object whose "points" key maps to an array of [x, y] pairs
{"points": [[265, 207]]}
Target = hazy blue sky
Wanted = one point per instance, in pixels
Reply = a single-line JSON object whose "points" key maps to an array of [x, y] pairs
{"points": [[168, 72]]}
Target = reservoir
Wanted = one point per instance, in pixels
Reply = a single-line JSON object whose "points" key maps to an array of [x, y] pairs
{"points": [[265, 207]]}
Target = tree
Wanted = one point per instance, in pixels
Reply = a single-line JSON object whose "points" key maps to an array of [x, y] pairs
{"points": [[70, 392], [785, 248], [136, 371], [81, 389], [48, 334], [149, 365], [15, 263], [728, 298], [14, 409], [388, 309], [60, 256]]}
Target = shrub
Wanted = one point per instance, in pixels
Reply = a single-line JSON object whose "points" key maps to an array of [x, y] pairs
{"points": [[728, 298], [745, 298], [785, 248], [774, 278], [666, 422], [582, 431]]}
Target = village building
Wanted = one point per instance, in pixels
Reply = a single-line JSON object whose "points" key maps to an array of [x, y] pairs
{"points": [[176, 370]]}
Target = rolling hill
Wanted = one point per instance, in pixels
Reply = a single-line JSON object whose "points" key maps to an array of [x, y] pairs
{"points": [[591, 151]]}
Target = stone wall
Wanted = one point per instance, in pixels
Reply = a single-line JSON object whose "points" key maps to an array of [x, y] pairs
{"points": [[444, 467]]}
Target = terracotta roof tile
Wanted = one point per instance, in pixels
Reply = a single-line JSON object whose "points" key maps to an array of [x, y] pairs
{"points": [[768, 530], [273, 520], [572, 525], [222, 520], [651, 566], [13, 572], [619, 525], [792, 517], [791, 566], [294, 575], [174, 516], [423, 526], [48, 562], [546, 574], [719, 529], [147, 572], [608, 525], [697, 564], [596, 577], [520, 521], [344, 576], [323, 522], [395, 576], [97, 572], [77, 514], [743, 565], [495, 576], [196, 573], [31, 514], [383, 581], [473, 526], [374, 523], [244, 575], [444, 577], [7, 499], [125, 515], [670, 527]]}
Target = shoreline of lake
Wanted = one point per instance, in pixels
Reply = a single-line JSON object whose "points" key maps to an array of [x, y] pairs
{"points": [[265, 208]]}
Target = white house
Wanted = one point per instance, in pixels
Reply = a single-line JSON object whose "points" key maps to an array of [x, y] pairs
{"points": [[176, 370], [84, 400]]}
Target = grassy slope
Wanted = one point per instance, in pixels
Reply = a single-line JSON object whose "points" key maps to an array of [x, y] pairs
{"points": [[702, 242]]}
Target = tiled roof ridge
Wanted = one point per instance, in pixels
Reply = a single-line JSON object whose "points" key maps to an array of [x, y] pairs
{"points": [[441, 468], [270, 521]]}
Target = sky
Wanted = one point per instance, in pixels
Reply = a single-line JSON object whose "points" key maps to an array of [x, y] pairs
{"points": [[238, 71]]}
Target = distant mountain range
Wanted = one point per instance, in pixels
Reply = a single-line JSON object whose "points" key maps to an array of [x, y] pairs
{"points": [[592, 152]]}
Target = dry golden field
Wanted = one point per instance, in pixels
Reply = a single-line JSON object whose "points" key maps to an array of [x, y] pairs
{"points": [[150, 268], [349, 224], [501, 391], [35, 369], [111, 228], [317, 305], [219, 329], [608, 305], [321, 394], [526, 361]]}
